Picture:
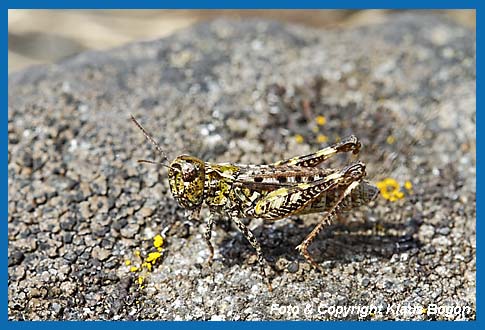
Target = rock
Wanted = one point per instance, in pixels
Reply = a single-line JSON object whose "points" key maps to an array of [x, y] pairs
{"points": [[130, 230], [293, 267], [16, 273], [255, 91], [146, 212], [70, 256], [15, 258], [85, 210], [99, 186], [100, 254]]}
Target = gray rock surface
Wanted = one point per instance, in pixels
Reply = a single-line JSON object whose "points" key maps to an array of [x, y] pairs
{"points": [[80, 205]]}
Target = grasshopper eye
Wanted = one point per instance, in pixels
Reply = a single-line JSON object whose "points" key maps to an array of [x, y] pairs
{"points": [[189, 172], [176, 168]]}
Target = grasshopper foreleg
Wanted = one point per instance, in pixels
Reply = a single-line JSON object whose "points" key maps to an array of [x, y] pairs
{"points": [[207, 236]]}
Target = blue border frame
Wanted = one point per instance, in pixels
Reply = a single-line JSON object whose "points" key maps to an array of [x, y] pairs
{"points": [[479, 179], [235, 4], [242, 4]]}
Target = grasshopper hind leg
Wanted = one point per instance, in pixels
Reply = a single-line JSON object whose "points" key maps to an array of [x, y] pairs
{"points": [[348, 144], [326, 220]]}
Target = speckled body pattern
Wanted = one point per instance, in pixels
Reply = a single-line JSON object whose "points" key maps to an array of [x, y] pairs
{"points": [[271, 192]]}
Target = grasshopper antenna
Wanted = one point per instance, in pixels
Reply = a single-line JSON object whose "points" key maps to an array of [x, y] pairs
{"points": [[155, 163], [155, 143]]}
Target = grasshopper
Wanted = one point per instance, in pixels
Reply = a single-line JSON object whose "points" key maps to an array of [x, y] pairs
{"points": [[271, 192]]}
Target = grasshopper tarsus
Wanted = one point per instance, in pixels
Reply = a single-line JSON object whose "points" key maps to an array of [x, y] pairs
{"points": [[270, 287], [303, 249], [211, 255]]}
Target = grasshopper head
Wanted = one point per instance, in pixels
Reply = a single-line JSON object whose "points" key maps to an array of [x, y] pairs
{"points": [[186, 177]]}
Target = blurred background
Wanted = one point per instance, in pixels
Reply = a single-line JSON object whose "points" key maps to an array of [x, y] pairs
{"points": [[46, 36]]}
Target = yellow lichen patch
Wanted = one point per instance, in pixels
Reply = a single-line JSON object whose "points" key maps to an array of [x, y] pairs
{"points": [[390, 139], [153, 257], [322, 138], [158, 241], [299, 139], [408, 185], [144, 261], [147, 265], [321, 120], [390, 189]]}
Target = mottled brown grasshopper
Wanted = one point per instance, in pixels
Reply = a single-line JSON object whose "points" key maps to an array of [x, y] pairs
{"points": [[270, 192]]}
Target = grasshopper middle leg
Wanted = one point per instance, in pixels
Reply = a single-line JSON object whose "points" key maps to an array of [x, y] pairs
{"points": [[255, 244]]}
